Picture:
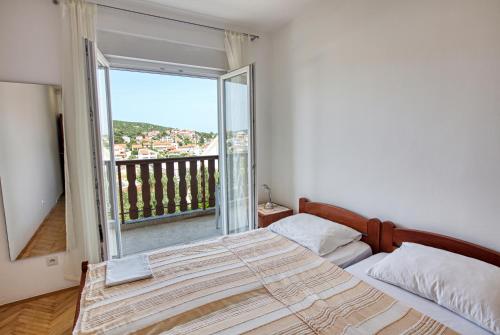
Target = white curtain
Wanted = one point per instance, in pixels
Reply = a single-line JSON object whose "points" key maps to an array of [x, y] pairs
{"points": [[235, 45], [237, 121], [81, 209]]}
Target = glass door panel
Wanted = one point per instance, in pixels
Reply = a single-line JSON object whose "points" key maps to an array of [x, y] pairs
{"points": [[237, 150], [104, 151], [108, 162]]}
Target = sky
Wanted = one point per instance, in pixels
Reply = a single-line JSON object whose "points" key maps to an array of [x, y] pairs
{"points": [[166, 100]]}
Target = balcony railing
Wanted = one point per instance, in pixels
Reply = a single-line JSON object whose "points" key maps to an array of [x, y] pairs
{"points": [[156, 188]]}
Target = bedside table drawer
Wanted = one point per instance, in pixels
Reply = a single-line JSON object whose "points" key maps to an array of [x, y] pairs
{"points": [[268, 216]]}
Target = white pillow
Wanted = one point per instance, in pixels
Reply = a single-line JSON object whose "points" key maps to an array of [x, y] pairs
{"points": [[317, 234], [466, 286]]}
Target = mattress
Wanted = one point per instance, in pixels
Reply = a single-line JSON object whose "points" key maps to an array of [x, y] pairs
{"points": [[349, 254], [438, 313]]}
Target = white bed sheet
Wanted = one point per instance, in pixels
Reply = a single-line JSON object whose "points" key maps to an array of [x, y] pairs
{"points": [[438, 313], [349, 254]]}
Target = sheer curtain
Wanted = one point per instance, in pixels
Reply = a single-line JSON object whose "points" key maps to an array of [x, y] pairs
{"points": [[237, 121], [81, 209], [235, 45]]}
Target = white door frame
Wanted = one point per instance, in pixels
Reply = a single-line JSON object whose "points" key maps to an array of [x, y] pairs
{"points": [[101, 59], [222, 147], [94, 59]]}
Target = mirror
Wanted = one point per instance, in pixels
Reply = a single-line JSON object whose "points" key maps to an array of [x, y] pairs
{"points": [[32, 169]]}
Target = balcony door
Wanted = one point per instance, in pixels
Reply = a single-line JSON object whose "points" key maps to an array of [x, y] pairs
{"points": [[104, 161], [237, 151]]}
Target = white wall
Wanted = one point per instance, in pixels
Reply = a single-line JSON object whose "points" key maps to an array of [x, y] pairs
{"points": [[30, 52], [260, 53], [30, 36], [30, 171], [392, 108]]}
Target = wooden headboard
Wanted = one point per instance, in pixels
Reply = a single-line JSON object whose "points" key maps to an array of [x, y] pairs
{"points": [[370, 228], [393, 237]]}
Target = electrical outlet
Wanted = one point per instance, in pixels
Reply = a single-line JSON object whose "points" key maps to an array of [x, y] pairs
{"points": [[43, 203], [52, 260]]}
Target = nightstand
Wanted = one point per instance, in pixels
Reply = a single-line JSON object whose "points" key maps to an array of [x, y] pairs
{"points": [[268, 216]]}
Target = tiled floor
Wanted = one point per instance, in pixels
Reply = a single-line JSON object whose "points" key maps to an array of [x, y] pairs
{"points": [[167, 234]]}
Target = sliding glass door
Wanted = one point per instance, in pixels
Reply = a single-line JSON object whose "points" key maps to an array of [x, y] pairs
{"points": [[104, 161], [236, 144]]}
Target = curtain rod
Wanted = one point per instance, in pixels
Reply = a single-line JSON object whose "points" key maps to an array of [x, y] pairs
{"points": [[252, 36]]}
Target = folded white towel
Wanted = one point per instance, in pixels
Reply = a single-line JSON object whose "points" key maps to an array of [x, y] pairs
{"points": [[128, 269]]}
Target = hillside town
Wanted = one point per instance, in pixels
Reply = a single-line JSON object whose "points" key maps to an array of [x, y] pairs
{"points": [[169, 142]]}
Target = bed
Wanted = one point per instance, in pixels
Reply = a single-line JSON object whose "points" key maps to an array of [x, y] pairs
{"points": [[391, 238], [256, 283]]}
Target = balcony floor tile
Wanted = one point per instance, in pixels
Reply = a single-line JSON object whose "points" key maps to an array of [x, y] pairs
{"points": [[167, 234]]}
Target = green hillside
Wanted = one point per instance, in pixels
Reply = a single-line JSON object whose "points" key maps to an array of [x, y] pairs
{"points": [[133, 129]]}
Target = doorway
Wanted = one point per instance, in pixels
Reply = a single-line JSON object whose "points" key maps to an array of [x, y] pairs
{"points": [[176, 156], [167, 155]]}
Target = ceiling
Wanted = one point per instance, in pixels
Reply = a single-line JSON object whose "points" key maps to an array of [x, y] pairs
{"points": [[258, 15]]}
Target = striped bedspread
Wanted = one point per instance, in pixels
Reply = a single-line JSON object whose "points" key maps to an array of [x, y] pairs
{"points": [[252, 283]]}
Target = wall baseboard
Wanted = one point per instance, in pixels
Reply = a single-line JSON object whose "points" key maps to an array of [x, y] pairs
{"points": [[10, 304]]}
